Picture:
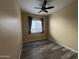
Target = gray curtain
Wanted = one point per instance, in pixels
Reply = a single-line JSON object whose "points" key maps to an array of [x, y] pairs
{"points": [[42, 25], [30, 23]]}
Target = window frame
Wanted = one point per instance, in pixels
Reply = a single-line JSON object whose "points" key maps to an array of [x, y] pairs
{"points": [[30, 25]]}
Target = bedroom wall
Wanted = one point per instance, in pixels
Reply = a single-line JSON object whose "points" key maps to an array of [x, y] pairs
{"points": [[63, 26], [25, 28], [10, 30]]}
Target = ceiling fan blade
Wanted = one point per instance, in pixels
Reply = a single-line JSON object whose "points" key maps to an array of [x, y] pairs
{"points": [[46, 11], [49, 7], [37, 8], [44, 3], [40, 11]]}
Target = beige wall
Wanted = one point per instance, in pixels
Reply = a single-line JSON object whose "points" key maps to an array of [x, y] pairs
{"points": [[10, 30], [63, 26], [32, 37]]}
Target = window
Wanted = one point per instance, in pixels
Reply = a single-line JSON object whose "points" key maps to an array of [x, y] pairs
{"points": [[35, 25]]}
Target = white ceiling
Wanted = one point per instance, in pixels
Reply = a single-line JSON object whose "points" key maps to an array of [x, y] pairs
{"points": [[28, 5]]}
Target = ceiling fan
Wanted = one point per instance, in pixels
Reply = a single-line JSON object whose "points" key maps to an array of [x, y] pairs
{"points": [[44, 8]]}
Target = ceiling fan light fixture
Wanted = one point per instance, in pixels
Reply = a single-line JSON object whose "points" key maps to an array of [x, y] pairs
{"points": [[44, 8]]}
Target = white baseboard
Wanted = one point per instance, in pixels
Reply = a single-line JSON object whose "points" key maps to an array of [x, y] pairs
{"points": [[66, 47]]}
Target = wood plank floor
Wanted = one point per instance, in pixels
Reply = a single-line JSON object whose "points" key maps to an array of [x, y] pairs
{"points": [[46, 49]]}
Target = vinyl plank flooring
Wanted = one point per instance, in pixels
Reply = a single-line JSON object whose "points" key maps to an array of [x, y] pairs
{"points": [[46, 49]]}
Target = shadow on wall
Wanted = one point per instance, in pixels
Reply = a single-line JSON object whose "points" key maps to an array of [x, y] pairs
{"points": [[51, 38]]}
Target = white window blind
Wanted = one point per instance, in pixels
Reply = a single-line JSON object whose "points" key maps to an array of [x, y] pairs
{"points": [[36, 26]]}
